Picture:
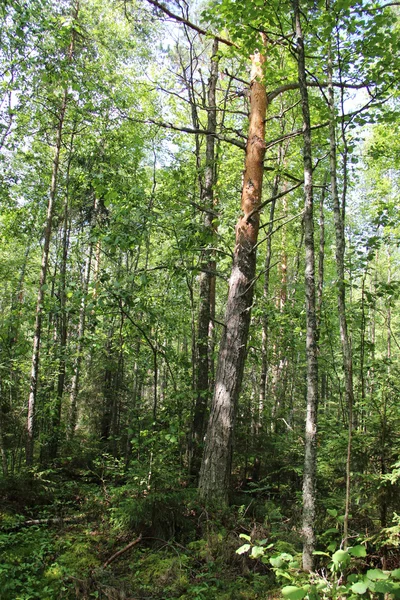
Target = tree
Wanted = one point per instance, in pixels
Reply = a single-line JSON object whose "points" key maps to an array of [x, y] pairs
{"points": [[217, 457]]}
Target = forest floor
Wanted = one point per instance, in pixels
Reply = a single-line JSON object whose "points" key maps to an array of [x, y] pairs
{"points": [[73, 535]]}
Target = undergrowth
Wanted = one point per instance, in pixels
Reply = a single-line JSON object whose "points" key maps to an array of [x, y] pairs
{"points": [[60, 532]]}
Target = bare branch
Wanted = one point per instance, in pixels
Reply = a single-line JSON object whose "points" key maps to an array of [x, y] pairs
{"points": [[295, 86], [280, 195], [179, 19], [117, 554], [183, 129]]}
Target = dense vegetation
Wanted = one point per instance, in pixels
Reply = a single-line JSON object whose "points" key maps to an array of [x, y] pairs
{"points": [[199, 398]]}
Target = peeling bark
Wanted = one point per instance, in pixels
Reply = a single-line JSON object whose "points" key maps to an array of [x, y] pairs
{"points": [[216, 464]]}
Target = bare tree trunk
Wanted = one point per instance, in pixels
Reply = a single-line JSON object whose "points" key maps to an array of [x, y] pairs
{"points": [[30, 430], [321, 256], [79, 351], [63, 320], [265, 320], [42, 283], [3, 451], [216, 464], [339, 212], [205, 293], [309, 477]]}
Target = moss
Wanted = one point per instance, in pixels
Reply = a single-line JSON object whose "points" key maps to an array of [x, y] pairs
{"points": [[77, 556], [161, 573]]}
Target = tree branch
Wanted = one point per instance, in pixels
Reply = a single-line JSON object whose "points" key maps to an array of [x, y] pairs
{"points": [[179, 19], [295, 86], [280, 195], [184, 129], [117, 554]]}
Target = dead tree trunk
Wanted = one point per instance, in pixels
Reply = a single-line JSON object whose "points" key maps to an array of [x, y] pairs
{"points": [[216, 464]]}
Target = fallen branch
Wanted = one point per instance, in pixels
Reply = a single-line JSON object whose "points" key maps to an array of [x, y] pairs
{"points": [[49, 521], [117, 554]]}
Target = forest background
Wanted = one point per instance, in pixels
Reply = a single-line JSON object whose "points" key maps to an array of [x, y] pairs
{"points": [[182, 370]]}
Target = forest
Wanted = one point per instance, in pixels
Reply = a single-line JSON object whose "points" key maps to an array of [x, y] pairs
{"points": [[199, 299]]}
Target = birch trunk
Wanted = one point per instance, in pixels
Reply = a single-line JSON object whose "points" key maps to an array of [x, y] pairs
{"points": [[30, 430]]}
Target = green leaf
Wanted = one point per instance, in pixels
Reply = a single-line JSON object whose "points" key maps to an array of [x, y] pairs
{"points": [[358, 551], [320, 553], [375, 574], [284, 574], [276, 561], [396, 574], [243, 549], [332, 547], [384, 587], [360, 587], [341, 556], [256, 552], [293, 593], [243, 536], [331, 530], [332, 512]]}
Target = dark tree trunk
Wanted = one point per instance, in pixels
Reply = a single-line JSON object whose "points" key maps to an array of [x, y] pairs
{"points": [[216, 464]]}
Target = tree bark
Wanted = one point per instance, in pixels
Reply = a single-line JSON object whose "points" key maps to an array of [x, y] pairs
{"points": [[339, 212], [42, 283], [309, 476], [63, 319], [216, 464], [206, 297], [30, 430], [79, 351]]}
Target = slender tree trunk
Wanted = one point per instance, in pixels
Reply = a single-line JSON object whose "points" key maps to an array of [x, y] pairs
{"points": [[309, 477], [265, 319], [205, 293], [63, 321], [42, 282], [339, 212], [216, 464], [43, 270], [3, 451], [321, 256], [79, 351]]}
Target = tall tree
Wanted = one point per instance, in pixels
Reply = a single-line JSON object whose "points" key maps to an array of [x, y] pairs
{"points": [[45, 259], [309, 476], [216, 464]]}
